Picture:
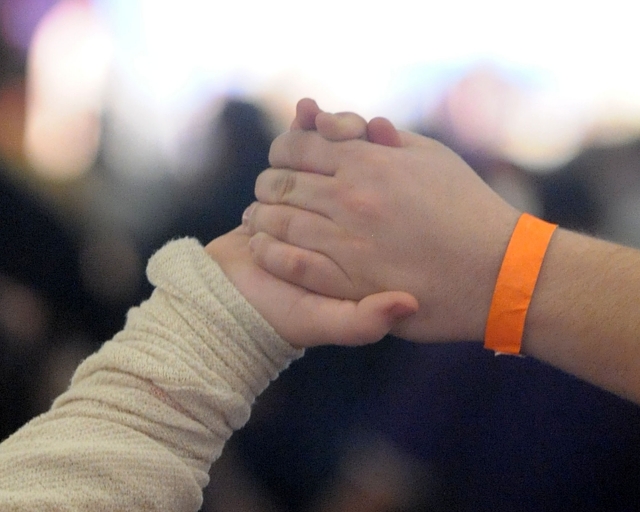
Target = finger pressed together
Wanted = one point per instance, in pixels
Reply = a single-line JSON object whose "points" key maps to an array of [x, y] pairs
{"points": [[304, 151], [341, 126], [291, 243], [313, 192], [294, 225], [306, 112]]}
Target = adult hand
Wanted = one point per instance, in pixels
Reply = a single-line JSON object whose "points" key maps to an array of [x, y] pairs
{"points": [[366, 218], [299, 316]]}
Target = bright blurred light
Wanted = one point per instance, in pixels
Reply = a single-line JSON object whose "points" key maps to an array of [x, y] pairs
{"points": [[67, 70], [171, 58], [377, 59], [543, 135]]}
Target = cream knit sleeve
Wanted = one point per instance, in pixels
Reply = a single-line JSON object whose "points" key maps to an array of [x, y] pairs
{"points": [[146, 415]]}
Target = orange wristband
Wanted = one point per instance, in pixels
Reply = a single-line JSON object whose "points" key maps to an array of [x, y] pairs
{"points": [[515, 284]]}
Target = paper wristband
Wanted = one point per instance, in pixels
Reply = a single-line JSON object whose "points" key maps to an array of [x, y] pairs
{"points": [[515, 284]]}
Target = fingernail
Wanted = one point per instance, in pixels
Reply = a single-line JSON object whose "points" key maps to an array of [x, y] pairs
{"points": [[246, 215]]}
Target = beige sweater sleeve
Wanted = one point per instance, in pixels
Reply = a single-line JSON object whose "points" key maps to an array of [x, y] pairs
{"points": [[146, 416]]}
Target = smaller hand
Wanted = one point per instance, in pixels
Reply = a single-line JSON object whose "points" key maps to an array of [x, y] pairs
{"points": [[299, 316]]}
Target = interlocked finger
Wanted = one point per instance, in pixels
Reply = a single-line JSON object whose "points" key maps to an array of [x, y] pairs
{"points": [[306, 112], [304, 151], [312, 192], [309, 269], [294, 226], [341, 126]]}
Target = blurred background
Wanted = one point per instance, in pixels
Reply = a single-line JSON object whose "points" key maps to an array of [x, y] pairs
{"points": [[124, 123]]}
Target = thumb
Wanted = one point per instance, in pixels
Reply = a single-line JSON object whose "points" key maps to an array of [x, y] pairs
{"points": [[377, 314], [350, 323]]}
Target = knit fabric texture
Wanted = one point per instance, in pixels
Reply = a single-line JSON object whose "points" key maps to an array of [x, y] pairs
{"points": [[145, 417]]}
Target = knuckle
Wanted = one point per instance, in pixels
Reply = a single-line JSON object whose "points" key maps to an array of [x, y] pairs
{"points": [[365, 205], [275, 185], [288, 149], [283, 226], [297, 266], [283, 185]]}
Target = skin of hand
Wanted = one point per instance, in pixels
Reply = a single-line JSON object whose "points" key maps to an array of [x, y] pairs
{"points": [[415, 217], [584, 317], [364, 218], [301, 317], [344, 125]]}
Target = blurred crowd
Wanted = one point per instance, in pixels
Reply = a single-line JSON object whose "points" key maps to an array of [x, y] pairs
{"points": [[392, 427]]}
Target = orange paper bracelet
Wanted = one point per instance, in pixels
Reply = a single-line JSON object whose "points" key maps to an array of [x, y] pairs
{"points": [[515, 284]]}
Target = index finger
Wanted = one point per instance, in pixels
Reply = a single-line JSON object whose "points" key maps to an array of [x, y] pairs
{"points": [[304, 151], [308, 191]]}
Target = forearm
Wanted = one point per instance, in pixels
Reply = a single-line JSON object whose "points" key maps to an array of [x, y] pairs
{"points": [[146, 416], [584, 316]]}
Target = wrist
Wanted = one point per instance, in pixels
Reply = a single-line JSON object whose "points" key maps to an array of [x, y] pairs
{"points": [[570, 272], [516, 283], [488, 269]]}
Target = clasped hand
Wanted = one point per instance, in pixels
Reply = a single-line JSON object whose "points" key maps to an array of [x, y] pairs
{"points": [[347, 218]]}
